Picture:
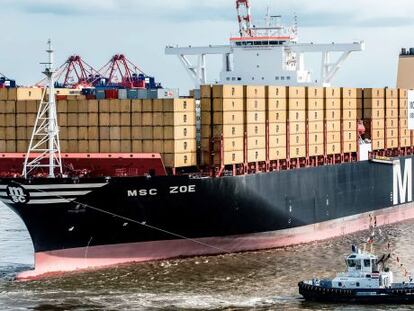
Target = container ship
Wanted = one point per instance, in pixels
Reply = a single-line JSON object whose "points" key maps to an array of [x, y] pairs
{"points": [[268, 157]]}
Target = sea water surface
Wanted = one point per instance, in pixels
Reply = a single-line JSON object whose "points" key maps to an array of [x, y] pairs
{"points": [[265, 280]]}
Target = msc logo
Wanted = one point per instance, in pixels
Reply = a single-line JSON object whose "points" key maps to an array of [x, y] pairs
{"points": [[17, 194], [402, 182]]}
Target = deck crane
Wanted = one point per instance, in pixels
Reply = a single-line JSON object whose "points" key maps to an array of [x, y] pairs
{"points": [[75, 73], [121, 72]]}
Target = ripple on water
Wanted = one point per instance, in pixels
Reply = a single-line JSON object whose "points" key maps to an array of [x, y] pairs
{"points": [[264, 280]]}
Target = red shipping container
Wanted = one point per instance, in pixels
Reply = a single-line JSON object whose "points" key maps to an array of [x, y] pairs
{"points": [[111, 94]]}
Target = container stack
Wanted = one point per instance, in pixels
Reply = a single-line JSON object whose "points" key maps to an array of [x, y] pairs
{"points": [[391, 118], [179, 132], [405, 136], [277, 120], [374, 116], [333, 120], [297, 122], [315, 117], [255, 116], [222, 129], [349, 120]]}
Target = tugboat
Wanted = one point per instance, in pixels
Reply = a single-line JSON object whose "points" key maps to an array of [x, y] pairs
{"points": [[367, 281]]}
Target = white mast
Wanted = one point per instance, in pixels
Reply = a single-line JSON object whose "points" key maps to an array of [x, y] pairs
{"points": [[44, 142]]}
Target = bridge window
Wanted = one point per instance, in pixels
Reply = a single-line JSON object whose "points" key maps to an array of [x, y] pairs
{"points": [[239, 79], [228, 78], [288, 78], [274, 42], [282, 78], [277, 78]]}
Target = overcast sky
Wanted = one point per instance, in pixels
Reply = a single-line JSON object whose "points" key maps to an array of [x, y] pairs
{"points": [[97, 29]]}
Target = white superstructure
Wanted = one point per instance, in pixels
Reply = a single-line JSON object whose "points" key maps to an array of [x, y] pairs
{"points": [[269, 55]]}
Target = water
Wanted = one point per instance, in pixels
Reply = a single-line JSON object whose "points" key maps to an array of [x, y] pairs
{"points": [[254, 281]]}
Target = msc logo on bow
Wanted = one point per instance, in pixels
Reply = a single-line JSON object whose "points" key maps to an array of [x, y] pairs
{"points": [[402, 182], [17, 194]]}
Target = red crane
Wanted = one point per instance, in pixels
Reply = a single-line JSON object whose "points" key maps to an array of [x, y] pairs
{"points": [[74, 73], [121, 72]]}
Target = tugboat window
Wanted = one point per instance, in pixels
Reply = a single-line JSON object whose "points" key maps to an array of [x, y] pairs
{"points": [[340, 284], [357, 284], [367, 263], [351, 263], [358, 265]]}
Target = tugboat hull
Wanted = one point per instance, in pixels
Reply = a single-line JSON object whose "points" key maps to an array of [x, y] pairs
{"points": [[357, 296]]}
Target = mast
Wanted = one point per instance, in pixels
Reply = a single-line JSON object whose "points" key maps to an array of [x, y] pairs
{"points": [[44, 143]]}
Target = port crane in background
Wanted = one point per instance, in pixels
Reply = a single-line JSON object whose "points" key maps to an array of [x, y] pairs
{"points": [[75, 73], [121, 72], [265, 55], [6, 82]]}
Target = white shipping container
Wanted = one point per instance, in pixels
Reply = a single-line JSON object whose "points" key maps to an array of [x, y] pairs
{"points": [[122, 94], [167, 93]]}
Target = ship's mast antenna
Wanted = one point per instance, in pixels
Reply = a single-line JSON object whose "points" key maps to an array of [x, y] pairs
{"points": [[44, 143]]}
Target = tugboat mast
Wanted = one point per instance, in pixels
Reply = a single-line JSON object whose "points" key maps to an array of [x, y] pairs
{"points": [[44, 143]]}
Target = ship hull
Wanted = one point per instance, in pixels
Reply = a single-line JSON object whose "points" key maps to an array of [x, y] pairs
{"points": [[82, 224]]}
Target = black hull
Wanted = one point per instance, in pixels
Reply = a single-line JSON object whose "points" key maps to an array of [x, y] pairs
{"points": [[353, 296], [69, 214]]}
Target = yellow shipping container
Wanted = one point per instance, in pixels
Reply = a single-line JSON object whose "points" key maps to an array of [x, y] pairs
{"points": [[228, 104], [349, 93], [316, 104], [316, 127], [277, 104], [391, 113], [205, 91], [180, 159], [255, 104], [373, 93], [256, 155], [392, 133], [25, 93], [375, 113], [333, 148], [228, 91], [297, 152], [350, 103], [137, 146], [316, 138], [136, 105], [332, 115], [378, 144], [297, 127], [226, 117], [350, 147], [297, 104], [277, 141], [277, 128], [333, 137], [315, 115], [349, 125], [276, 92], [177, 118], [256, 117], [254, 130], [391, 93], [316, 150], [179, 146], [277, 116], [349, 136], [179, 105], [391, 123], [297, 115], [254, 92], [333, 92], [333, 126], [277, 153], [297, 139], [297, 92], [179, 132], [333, 104], [349, 114], [256, 142], [315, 92]]}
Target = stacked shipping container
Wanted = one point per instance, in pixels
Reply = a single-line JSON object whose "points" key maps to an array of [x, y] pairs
{"points": [[277, 121]]}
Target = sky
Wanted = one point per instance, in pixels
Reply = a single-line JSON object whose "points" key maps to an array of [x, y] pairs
{"points": [[98, 29]]}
